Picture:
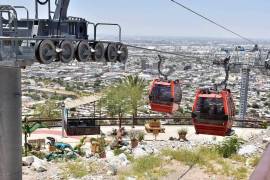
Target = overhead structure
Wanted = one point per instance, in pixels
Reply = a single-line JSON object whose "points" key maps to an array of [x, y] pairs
{"points": [[61, 38], [165, 95], [24, 41]]}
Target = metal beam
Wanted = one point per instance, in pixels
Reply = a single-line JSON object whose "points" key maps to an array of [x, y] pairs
{"points": [[10, 124]]}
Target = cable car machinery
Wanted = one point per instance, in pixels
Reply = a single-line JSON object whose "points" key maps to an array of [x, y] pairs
{"points": [[58, 38]]}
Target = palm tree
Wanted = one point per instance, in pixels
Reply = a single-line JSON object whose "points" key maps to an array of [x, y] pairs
{"points": [[28, 129], [135, 87]]}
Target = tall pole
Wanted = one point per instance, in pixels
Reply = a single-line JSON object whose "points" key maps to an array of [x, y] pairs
{"points": [[244, 93], [64, 118], [10, 124]]}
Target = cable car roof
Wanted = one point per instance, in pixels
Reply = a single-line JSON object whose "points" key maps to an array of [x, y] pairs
{"points": [[210, 95]]}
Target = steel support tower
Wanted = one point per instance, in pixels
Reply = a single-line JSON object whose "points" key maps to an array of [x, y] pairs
{"points": [[244, 92], [10, 124]]}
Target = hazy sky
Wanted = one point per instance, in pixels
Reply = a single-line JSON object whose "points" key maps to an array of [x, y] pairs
{"points": [[162, 18]]}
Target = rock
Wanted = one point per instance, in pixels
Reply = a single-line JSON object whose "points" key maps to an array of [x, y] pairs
{"points": [[266, 140], [148, 149], [109, 155], [118, 161], [91, 177], [247, 150], [139, 152], [112, 171], [128, 151], [123, 148], [122, 157], [130, 178], [27, 161], [39, 165]]}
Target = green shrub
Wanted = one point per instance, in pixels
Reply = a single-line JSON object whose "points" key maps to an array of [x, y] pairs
{"points": [[117, 151], [141, 136], [229, 146], [264, 124]]}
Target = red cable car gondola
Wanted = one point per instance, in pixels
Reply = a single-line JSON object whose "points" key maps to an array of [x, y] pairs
{"points": [[213, 111], [165, 95]]}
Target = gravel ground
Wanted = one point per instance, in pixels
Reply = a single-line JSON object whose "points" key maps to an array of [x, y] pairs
{"points": [[252, 136]]}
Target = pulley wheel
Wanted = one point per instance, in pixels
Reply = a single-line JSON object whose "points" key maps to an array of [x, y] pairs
{"points": [[111, 52], [68, 50], [83, 51], [123, 56], [98, 55], [45, 51]]}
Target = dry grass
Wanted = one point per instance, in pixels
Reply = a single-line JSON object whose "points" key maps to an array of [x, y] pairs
{"points": [[211, 160], [147, 167], [78, 169]]}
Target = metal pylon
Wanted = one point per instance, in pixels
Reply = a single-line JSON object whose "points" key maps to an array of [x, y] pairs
{"points": [[244, 92]]}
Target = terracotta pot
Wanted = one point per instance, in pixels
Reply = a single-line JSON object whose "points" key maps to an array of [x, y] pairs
{"points": [[134, 143], [95, 147]]}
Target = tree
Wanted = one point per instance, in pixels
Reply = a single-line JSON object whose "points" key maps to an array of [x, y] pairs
{"points": [[134, 85], [116, 102], [28, 129], [48, 110]]}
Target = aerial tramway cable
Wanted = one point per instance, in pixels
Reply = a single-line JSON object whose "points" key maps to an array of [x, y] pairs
{"points": [[213, 22]]}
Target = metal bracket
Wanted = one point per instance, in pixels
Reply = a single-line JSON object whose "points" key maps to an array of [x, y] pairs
{"points": [[108, 24], [159, 68]]}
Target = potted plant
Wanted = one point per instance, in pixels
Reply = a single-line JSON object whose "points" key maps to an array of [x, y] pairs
{"points": [[94, 145], [141, 136], [182, 133], [133, 135], [78, 147], [154, 123], [102, 146]]}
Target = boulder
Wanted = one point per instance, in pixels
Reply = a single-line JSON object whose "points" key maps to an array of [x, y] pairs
{"points": [[27, 161], [112, 171], [139, 152], [109, 154], [118, 161], [39, 165], [148, 149], [247, 150], [266, 140]]}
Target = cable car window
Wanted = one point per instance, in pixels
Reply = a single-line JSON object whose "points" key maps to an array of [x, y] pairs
{"points": [[210, 108], [161, 94], [177, 93]]}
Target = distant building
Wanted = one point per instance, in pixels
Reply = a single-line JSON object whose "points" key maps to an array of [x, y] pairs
{"points": [[145, 64]]}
